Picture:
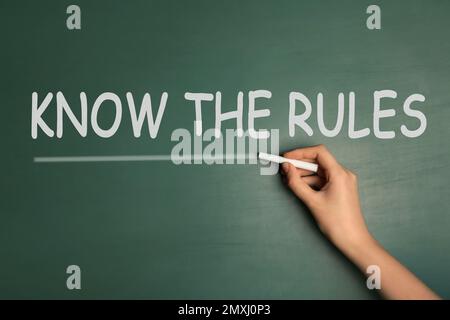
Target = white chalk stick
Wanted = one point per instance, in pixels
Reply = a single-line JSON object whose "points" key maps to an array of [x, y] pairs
{"points": [[296, 163]]}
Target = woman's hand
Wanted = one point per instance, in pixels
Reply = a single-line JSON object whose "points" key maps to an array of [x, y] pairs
{"points": [[331, 195]]}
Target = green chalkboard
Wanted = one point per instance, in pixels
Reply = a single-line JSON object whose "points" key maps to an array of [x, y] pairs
{"points": [[153, 229]]}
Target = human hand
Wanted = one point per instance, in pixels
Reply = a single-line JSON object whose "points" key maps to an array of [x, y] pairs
{"points": [[331, 195]]}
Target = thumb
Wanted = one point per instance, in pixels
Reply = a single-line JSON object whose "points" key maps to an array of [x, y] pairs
{"points": [[300, 188]]}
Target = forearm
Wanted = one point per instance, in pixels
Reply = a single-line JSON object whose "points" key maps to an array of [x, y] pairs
{"points": [[397, 282]]}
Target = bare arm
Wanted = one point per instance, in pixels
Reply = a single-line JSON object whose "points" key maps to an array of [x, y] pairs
{"points": [[332, 196]]}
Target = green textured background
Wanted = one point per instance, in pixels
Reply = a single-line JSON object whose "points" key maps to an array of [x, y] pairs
{"points": [[156, 230]]}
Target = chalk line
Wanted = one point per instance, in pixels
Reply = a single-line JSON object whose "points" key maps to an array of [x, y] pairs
{"points": [[135, 158]]}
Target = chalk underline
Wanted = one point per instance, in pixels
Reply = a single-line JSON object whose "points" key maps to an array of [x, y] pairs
{"points": [[135, 158]]}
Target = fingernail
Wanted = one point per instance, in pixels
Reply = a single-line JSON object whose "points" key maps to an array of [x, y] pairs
{"points": [[285, 167]]}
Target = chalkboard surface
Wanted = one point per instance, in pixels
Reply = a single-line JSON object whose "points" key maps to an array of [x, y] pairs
{"points": [[158, 230]]}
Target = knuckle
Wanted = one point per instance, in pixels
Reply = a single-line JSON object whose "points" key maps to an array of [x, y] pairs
{"points": [[341, 173], [323, 149], [290, 182], [353, 175]]}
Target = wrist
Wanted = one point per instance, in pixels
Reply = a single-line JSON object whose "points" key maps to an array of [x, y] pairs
{"points": [[355, 245]]}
